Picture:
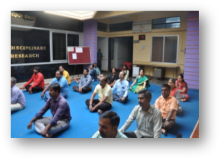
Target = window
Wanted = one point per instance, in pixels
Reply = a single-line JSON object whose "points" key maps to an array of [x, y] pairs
{"points": [[59, 46], [29, 45], [102, 27], [173, 22], [164, 49], [120, 26], [72, 40], [33, 45], [112, 48]]}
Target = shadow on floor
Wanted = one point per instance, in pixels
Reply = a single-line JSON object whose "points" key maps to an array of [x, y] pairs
{"points": [[174, 131], [181, 114], [58, 134]]}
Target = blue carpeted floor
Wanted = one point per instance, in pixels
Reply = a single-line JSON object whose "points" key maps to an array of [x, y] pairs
{"points": [[84, 123]]}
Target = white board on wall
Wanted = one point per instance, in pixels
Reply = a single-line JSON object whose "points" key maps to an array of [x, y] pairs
{"points": [[141, 27], [135, 71]]}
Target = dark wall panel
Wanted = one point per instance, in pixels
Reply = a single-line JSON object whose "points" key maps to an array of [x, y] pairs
{"points": [[44, 20], [33, 45], [29, 45], [24, 73]]}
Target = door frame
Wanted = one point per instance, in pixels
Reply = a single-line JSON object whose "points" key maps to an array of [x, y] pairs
{"points": [[109, 50]]}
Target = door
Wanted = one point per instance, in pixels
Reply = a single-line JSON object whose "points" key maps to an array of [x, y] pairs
{"points": [[111, 53], [103, 45]]}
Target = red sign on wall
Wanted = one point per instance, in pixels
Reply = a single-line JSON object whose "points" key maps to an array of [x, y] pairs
{"points": [[141, 37]]}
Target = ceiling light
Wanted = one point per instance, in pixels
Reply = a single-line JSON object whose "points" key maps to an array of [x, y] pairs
{"points": [[80, 15]]}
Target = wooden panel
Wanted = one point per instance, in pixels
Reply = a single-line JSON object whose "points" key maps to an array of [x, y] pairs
{"points": [[195, 134]]}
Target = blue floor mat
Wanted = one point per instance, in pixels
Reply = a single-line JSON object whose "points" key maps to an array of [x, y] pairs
{"points": [[84, 123]]}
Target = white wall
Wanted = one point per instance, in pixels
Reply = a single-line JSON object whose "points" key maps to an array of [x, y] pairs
{"points": [[103, 45]]}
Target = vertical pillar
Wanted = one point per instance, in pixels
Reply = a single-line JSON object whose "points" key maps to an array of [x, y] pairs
{"points": [[191, 67], [90, 37]]}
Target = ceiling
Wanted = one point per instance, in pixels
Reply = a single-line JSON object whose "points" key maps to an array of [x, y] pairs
{"points": [[117, 16], [112, 17], [98, 15]]}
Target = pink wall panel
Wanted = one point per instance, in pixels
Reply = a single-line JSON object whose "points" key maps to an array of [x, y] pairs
{"points": [[191, 68], [90, 37]]}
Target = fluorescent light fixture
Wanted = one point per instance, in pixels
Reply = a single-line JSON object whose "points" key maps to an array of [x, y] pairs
{"points": [[80, 15]]}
